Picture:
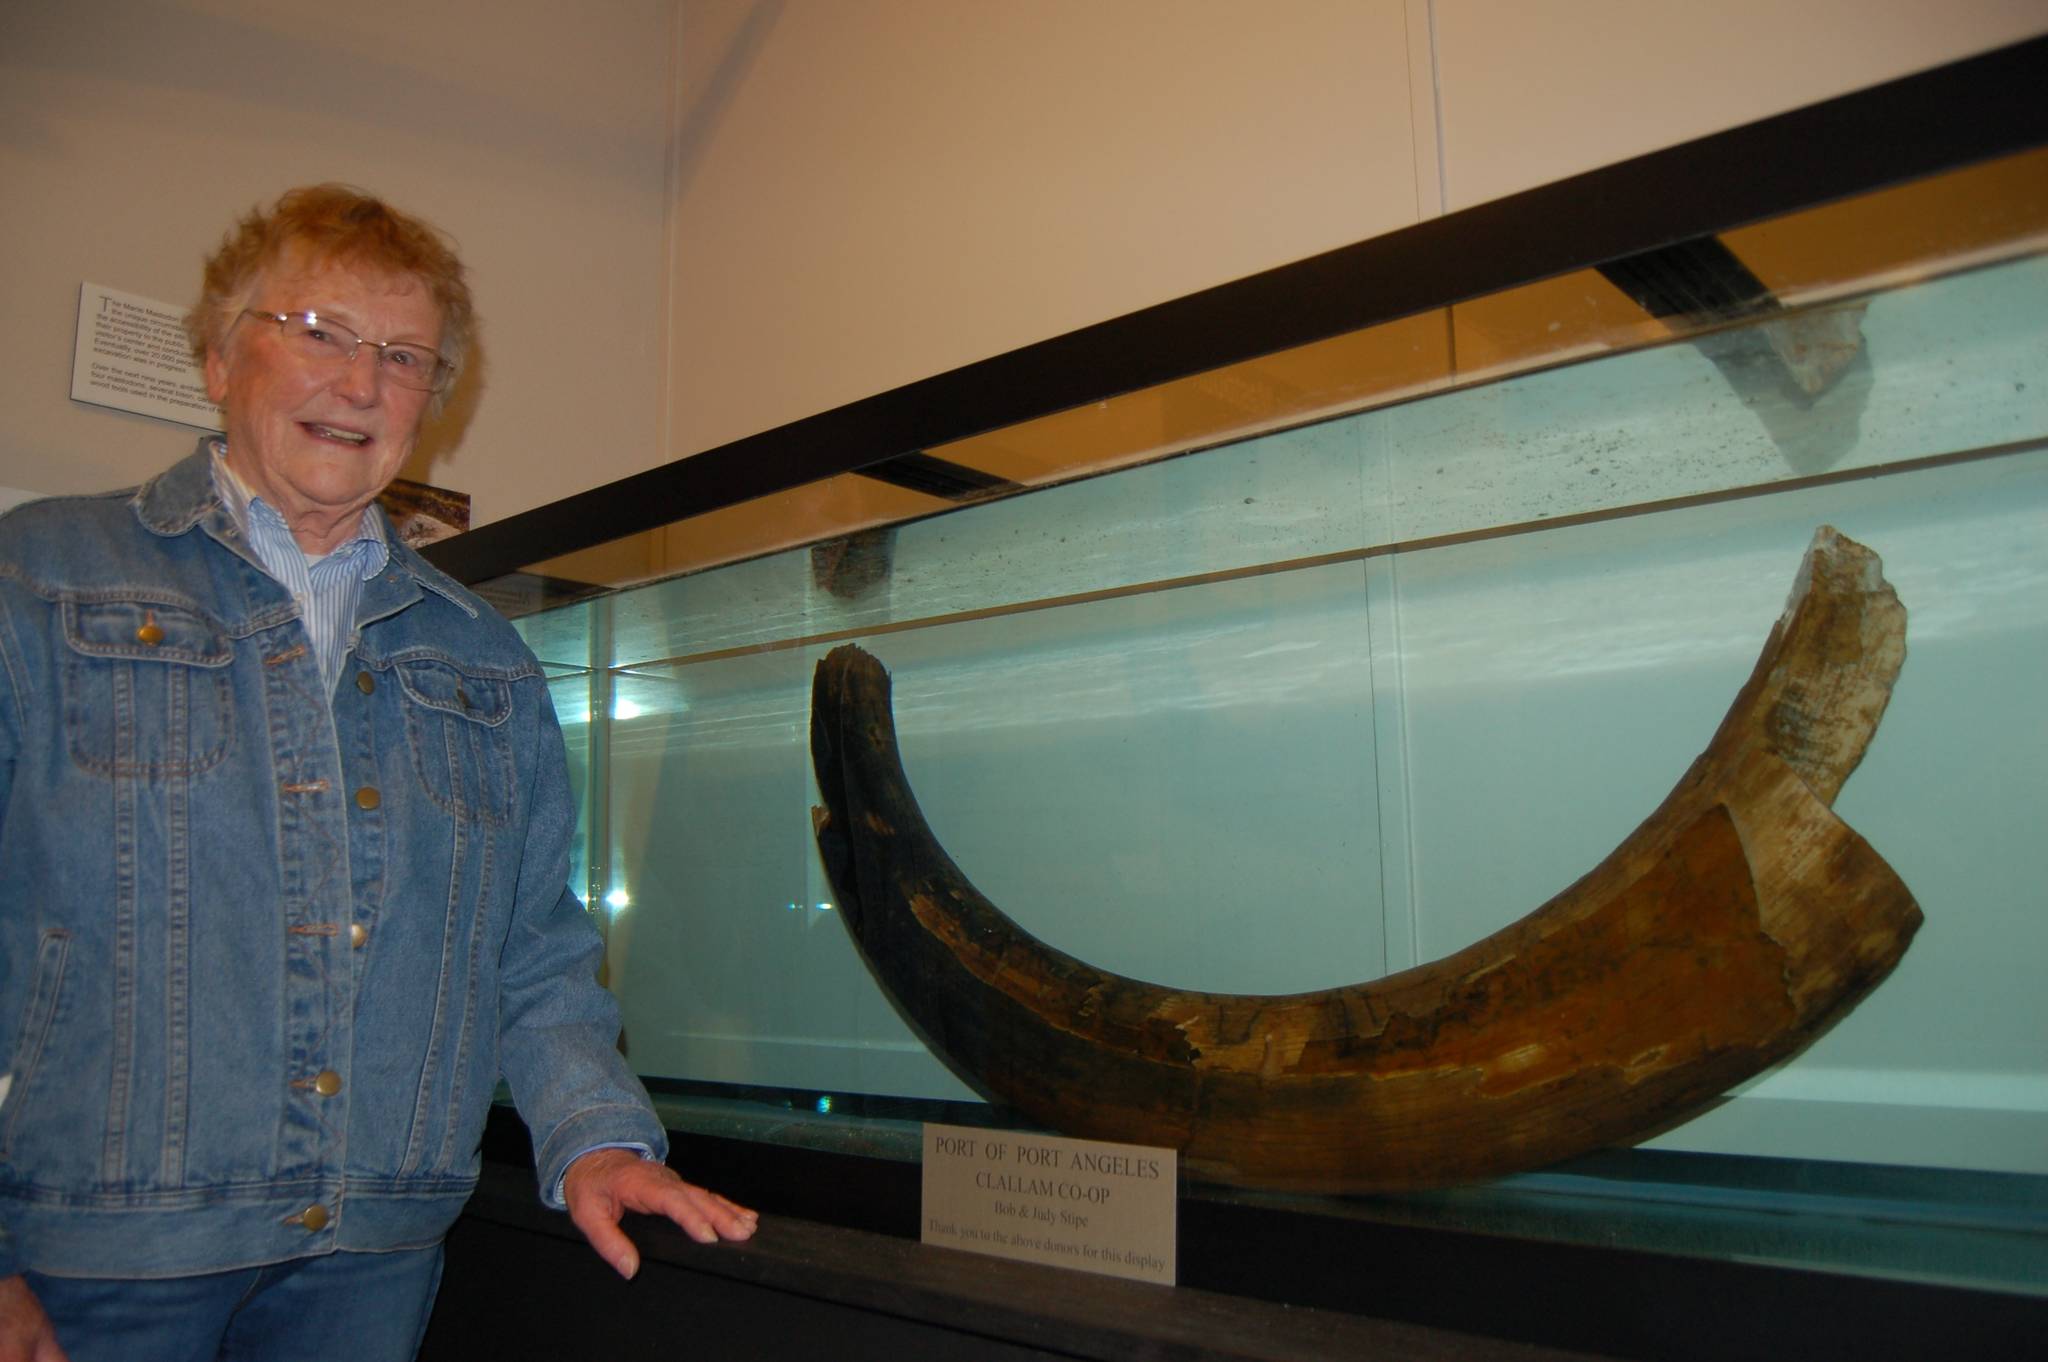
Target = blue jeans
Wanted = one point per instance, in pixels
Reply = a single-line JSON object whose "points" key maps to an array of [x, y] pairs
{"points": [[361, 1307]]}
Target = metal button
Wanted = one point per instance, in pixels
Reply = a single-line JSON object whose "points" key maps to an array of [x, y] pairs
{"points": [[368, 798], [365, 682], [150, 633], [358, 934], [314, 1217], [327, 1082]]}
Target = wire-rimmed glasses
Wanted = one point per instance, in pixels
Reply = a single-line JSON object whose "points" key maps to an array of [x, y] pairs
{"points": [[322, 338]]}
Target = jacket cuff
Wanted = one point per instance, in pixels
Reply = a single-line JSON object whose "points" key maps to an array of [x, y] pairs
{"points": [[633, 1126], [554, 1195]]}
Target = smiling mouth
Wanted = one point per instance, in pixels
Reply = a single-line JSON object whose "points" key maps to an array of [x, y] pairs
{"points": [[326, 432]]}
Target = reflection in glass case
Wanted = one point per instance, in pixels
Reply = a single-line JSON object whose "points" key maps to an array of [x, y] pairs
{"points": [[1328, 664]]}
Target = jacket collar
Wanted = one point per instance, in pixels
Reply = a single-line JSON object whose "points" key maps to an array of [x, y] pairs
{"points": [[182, 498]]}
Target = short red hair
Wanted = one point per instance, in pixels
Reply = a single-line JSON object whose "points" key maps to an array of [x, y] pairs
{"points": [[339, 224]]}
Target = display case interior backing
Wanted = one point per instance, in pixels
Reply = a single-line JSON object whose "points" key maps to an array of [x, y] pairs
{"points": [[1323, 662]]}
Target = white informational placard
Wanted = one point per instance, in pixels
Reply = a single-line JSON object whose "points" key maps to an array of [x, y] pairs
{"points": [[131, 354], [1107, 1208]]}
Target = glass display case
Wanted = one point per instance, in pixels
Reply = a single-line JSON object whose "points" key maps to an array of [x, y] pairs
{"points": [[1326, 660]]}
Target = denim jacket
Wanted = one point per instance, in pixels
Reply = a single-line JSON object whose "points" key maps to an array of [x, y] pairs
{"points": [[265, 951]]}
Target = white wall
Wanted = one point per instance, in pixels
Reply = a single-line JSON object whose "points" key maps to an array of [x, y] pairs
{"points": [[133, 131], [874, 191], [1535, 92]]}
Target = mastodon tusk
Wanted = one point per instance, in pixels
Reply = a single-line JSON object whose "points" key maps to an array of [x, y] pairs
{"points": [[1728, 930]]}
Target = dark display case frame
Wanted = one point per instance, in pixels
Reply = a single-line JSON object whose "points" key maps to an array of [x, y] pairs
{"points": [[1292, 1251], [1944, 119]]}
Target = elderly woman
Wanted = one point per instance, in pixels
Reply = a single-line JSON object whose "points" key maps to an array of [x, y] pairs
{"points": [[284, 835]]}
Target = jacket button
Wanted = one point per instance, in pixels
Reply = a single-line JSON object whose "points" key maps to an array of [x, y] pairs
{"points": [[314, 1217], [358, 935], [327, 1083], [368, 798], [365, 682], [150, 633]]}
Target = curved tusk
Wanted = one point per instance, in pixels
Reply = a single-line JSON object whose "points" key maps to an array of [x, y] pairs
{"points": [[1738, 922]]}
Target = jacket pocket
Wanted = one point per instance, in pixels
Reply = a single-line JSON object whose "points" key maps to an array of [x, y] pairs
{"points": [[146, 690], [455, 727], [36, 1020]]}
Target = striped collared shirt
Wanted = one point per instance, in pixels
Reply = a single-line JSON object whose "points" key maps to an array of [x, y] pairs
{"points": [[327, 589]]}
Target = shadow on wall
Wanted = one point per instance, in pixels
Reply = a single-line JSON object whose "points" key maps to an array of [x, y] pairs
{"points": [[442, 434], [701, 118]]}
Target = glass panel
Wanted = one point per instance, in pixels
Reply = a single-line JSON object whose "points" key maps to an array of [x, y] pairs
{"points": [[1305, 707]]}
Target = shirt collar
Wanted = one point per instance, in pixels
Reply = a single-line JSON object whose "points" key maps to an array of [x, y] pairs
{"points": [[367, 546]]}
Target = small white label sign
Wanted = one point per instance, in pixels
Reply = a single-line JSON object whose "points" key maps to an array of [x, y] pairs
{"points": [[1106, 1208], [131, 354]]}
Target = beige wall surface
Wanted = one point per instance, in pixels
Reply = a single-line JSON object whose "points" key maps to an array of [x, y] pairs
{"points": [[1532, 93], [133, 131], [692, 220], [869, 192], [874, 191]]}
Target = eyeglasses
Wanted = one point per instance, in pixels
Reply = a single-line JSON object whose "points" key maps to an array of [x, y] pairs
{"points": [[321, 338]]}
